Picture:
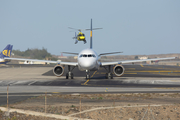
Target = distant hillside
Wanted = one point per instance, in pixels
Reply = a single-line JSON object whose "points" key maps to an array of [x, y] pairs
{"points": [[34, 54], [43, 54]]}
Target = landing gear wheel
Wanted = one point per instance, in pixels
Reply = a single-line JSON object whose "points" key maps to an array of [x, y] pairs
{"points": [[67, 75], [72, 75], [106, 76], [111, 76], [87, 76]]}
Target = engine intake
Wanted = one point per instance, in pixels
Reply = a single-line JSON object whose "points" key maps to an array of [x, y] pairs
{"points": [[118, 70], [58, 70]]}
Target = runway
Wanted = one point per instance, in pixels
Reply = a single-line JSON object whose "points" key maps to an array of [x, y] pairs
{"points": [[25, 81], [130, 71], [135, 76]]}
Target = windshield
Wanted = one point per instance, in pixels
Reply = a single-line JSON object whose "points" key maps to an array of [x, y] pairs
{"points": [[87, 55]]}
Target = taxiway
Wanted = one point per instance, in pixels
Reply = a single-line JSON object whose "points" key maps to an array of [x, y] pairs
{"points": [[25, 81]]}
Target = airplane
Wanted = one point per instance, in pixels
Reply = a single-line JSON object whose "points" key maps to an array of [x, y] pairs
{"points": [[81, 36], [88, 60], [6, 53]]}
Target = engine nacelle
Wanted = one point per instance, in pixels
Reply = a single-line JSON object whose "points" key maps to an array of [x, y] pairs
{"points": [[118, 70], [58, 70]]}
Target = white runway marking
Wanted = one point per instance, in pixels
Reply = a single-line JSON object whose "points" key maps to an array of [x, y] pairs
{"points": [[32, 82]]}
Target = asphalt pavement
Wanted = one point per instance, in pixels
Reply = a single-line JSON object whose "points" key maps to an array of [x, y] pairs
{"points": [[25, 81]]}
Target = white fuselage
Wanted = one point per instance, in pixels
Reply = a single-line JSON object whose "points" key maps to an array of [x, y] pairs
{"points": [[2, 61], [88, 60]]}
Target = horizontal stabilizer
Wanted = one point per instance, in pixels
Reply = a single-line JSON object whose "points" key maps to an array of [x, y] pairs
{"points": [[94, 29]]}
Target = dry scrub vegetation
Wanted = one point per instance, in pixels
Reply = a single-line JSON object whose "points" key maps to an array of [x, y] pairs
{"points": [[135, 106]]}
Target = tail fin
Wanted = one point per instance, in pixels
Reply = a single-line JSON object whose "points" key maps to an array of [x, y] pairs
{"points": [[6, 51], [10, 50], [91, 36]]}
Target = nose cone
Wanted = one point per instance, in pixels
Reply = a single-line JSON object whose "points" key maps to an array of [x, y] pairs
{"points": [[88, 64]]}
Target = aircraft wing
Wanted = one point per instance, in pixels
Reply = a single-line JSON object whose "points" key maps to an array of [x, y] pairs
{"points": [[133, 61], [47, 61]]}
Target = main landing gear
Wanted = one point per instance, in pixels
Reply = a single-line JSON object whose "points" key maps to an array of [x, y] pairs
{"points": [[70, 74], [109, 75], [87, 74]]}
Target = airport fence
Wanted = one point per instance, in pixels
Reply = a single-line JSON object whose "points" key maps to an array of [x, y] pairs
{"points": [[133, 106]]}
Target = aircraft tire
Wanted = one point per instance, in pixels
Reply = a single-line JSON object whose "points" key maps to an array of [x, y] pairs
{"points": [[67, 76], [87, 77], [72, 75], [106, 76], [111, 76]]}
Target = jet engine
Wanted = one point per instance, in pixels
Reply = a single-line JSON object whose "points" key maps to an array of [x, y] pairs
{"points": [[118, 70], [58, 70]]}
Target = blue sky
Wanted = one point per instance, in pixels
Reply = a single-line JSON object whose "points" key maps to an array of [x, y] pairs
{"points": [[132, 26]]}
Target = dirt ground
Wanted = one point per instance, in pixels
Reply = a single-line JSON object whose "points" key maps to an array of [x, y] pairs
{"points": [[135, 106]]}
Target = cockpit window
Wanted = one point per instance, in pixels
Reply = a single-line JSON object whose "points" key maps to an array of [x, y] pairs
{"points": [[90, 55], [85, 55], [93, 55]]}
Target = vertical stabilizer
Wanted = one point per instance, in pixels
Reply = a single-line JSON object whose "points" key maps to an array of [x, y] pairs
{"points": [[10, 50], [91, 36], [6, 51]]}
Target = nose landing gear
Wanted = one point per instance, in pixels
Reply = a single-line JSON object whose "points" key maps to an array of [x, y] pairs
{"points": [[87, 74]]}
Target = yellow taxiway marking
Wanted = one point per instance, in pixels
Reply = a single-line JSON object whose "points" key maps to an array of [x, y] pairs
{"points": [[133, 72], [86, 82], [176, 74], [150, 71], [164, 68], [102, 73], [141, 65], [130, 68], [88, 79], [130, 73], [159, 71]]}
